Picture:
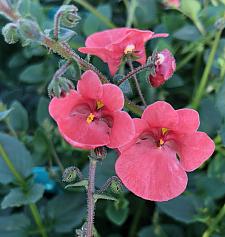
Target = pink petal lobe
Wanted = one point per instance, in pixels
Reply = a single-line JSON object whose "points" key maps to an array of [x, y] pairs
{"points": [[102, 53], [59, 107], [77, 129], [112, 97], [194, 149], [151, 173], [122, 131], [89, 86], [188, 120], [161, 114]]}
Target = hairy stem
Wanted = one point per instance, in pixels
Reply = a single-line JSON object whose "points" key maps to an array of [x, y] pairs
{"points": [[57, 24], [137, 84], [201, 88], [216, 220], [90, 193], [23, 184], [61, 70]]}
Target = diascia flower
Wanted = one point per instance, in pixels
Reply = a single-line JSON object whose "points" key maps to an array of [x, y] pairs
{"points": [[172, 3], [91, 116], [112, 45], [149, 166], [165, 66]]}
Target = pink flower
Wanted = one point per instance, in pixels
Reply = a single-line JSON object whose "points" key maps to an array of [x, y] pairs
{"points": [[164, 68], [91, 116], [112, 45], [149, 166], [172, 3]]}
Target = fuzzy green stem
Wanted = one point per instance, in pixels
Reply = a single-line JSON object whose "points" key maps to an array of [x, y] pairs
{"points": [[90, 197], [213, 225], [201, 88], [95, 12], [23, 184]]}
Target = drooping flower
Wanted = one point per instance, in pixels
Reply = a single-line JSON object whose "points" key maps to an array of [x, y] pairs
{"points": [[165, 66], [149, 166], [172, 3], [112, 45], [91, 116]]}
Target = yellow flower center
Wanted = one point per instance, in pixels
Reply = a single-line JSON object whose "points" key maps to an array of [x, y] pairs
{"points": [[99, 104], [161, 142], [164, 130], [90, 118], [129, 49]]}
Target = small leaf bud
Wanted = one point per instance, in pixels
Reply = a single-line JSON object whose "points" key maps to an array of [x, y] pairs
{"points": [[10, 33], [69, 174]]}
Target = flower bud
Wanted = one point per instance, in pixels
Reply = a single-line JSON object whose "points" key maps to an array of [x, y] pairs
{"points": [[29, 30], [116, 186], [99, 153], [58, 87], [69, 16], [10, 33], [172, 3], [165, 66], [69, 174]]}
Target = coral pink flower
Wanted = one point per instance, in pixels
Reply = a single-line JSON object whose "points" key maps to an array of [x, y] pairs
{"points": [[164, 68], [172, 3], [91, 116], [149, 166], [112, 45]]}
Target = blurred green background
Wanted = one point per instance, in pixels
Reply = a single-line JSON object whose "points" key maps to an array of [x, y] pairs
{"points": [[34, 146]]}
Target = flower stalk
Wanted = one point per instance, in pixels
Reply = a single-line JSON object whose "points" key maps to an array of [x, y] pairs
{"points": [[90, 197]]}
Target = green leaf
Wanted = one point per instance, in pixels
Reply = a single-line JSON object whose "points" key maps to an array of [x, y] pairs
{"points": [[18, 118], [220, 101], [42, 110], [14, 222], [93, 24], [187, 33], [18, 155], [104, 197], [82, 183], [19, 233], [146, 13], [36, 73], [117, 213], [17, 197], [4, 114], [182, 208], [191, 8], [210, 117], [216, 168], [67, 211], [170, 230]]}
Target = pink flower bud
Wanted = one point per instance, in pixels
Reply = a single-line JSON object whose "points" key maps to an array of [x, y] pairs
{"points": [[165, 66], [172, 3]]}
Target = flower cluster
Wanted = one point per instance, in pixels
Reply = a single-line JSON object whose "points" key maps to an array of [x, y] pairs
{"points": [[157, 150]]}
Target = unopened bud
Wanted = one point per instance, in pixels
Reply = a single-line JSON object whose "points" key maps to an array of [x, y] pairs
{"points": [[69, 16], [10, 33], [69, 174], [29, 30], [99, 153], [116, 186], [58, 87]]}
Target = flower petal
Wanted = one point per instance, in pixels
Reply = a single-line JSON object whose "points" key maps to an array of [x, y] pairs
{"points": [[151, 173], [60, 107], [76, 129], [112, 97], [188, 120], [122, 131], [194, 149], [90, 86], [161, 114]]}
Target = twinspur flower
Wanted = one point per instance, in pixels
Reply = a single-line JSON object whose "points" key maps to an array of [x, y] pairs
{"points": [[165, 66], [166, 146], [91, 116], [113, 45]]}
